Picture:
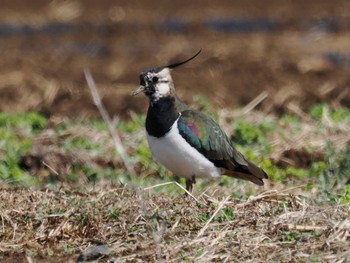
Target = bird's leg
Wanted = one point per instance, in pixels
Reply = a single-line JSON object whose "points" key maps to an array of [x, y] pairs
{"points": [[190, 183]]}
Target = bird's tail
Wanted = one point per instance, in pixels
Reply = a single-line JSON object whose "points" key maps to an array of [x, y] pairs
{"points": [[249, 172]]}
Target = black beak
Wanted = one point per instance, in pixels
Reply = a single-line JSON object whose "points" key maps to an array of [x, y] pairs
{"points": [[138, 90]]}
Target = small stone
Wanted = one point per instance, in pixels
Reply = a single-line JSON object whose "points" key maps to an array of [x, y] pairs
{"points": [[116, 260], [93, 253]]}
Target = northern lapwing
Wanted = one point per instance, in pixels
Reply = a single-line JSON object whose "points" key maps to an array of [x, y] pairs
{"points": [[186, 141]]}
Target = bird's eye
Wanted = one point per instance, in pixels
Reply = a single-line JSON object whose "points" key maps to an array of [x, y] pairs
{"points": [[155, 79]]}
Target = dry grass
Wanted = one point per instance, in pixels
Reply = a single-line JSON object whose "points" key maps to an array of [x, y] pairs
{"points": [[155, 223], [311, 134], [140, 225]]}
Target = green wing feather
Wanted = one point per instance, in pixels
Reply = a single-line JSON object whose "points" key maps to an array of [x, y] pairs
{"points": [[204, 134]]}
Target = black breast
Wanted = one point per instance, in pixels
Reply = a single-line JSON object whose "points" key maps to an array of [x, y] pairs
{"points": [[161, 116]]}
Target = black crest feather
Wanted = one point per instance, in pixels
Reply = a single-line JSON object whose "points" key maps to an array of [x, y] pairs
{"points": [[174, 65]]}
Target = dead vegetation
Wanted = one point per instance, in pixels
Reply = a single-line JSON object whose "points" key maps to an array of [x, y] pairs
{"points": [[141, 225], [298, 148]]}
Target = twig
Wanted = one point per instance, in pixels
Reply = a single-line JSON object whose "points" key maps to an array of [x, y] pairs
{"points": [[176, 183], [98, 103], [251, 105], [305, 228], [293, 188], [220, 206], [271, 194], [29, 259], [297, 111], [50, 168]]}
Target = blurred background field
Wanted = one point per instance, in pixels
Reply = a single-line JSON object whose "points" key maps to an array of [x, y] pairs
{"points": [[275, 75], [297, 51]]}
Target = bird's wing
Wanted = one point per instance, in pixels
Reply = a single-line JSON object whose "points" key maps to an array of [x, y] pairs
{"points": [[205, 135]]}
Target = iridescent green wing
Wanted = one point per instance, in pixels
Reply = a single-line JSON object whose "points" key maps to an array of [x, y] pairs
{"points": [[204, 134]]}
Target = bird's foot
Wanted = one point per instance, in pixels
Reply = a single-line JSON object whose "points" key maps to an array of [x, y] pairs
{"points": [[190, 184]]}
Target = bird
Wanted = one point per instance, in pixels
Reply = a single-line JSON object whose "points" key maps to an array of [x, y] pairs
{"points": [[186, 141]]}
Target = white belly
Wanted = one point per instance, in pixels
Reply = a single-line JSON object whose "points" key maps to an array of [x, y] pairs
{"points": [[178, 156]]}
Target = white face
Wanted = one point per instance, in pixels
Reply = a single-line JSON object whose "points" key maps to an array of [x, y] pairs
{"points": [[162, 83]]}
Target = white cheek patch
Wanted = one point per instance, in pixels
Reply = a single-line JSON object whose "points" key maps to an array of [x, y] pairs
{"points": [[163, 89]]}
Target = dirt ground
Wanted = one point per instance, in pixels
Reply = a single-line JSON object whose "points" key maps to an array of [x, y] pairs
{"points": [[297, 51], [138, 226]]}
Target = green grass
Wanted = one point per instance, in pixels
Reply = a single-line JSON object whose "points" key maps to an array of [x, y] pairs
{"points": [[91, 156], [16, 139], [318, 111]]}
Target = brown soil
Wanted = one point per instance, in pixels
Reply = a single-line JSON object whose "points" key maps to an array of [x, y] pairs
{"points": [[140, 226], [302, 58]]}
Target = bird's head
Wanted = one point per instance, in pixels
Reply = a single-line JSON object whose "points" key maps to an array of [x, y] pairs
{"points": [[157, 83]]}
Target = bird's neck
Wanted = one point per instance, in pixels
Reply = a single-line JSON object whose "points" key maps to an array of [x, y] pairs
{"points": [[161, 116]]}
